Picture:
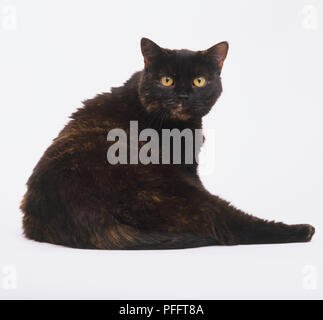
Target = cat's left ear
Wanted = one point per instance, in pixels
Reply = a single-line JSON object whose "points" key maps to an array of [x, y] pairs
{"points": [[218, 53]]}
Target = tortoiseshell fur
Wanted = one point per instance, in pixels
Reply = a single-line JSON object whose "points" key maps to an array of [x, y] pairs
{"points": [[75, 198]]}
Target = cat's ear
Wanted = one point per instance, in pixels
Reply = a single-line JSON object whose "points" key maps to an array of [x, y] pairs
{"points": [[150, 50], [218, 53]]}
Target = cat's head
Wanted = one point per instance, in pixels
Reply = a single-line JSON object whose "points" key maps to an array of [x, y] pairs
{"points": [[180, 84]]}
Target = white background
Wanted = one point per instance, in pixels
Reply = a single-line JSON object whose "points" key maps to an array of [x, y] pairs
{"points": [[268, 139]]}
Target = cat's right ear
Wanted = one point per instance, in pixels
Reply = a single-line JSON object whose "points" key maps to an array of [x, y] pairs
{"points": [[150, 50], [218, 53]]}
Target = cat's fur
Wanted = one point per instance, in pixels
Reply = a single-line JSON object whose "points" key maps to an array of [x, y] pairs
{"points": [[76, 198]]}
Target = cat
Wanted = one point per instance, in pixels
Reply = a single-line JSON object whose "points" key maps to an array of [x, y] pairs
{"points": [[76, 198]]}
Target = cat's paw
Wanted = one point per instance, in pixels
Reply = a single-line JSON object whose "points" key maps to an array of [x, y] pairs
{"points": [[305, 232]]}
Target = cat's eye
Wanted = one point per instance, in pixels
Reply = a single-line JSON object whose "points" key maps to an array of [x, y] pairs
{"points": [[166, 81], [199, 82]]}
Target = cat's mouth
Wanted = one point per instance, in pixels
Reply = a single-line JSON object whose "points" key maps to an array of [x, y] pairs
{"points": [[178, 112]]}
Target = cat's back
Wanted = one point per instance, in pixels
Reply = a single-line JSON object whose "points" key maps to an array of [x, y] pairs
{"points": [[75, 166], [84, 138], [82, 144], [78, 156]]}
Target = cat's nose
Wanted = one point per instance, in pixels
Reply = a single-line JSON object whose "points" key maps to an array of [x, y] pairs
{"points": [[183, 96]]}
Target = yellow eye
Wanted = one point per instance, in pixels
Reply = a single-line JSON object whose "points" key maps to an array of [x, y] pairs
{"points": [[167, 81], [199, 82]]}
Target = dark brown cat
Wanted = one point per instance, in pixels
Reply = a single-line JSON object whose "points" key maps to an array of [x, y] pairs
{"points": [[77, 198]]}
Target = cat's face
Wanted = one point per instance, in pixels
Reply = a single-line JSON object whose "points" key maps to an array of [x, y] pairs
{"points": [[180, 84]]}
